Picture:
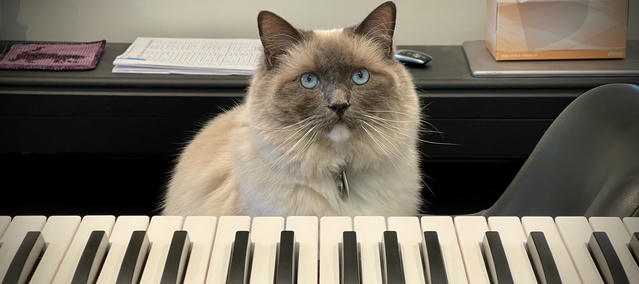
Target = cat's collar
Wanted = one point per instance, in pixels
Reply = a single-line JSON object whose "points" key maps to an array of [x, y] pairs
{"points": [[342, 185]]}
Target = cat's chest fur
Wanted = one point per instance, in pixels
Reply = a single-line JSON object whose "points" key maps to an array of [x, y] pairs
{"points": [[371, 193], [311, 187]]}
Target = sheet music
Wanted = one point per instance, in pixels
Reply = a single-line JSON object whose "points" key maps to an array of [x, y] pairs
{"points": [[190, 56]]}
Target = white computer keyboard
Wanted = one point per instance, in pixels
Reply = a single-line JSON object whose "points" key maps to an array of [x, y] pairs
{"points": [[297, 249]]}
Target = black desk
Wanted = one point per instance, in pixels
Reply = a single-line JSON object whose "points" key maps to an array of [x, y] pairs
{"points": [[120, 132]]}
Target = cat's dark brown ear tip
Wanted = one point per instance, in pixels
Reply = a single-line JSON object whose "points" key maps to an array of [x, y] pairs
{"points": [[276, 34], [264, 13], [263, 16], [389, 5], [379, 25]]}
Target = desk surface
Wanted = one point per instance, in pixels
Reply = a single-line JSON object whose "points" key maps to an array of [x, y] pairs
{"points": [[447, 70]]}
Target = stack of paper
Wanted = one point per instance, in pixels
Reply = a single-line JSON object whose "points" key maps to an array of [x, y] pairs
{"points": [[190, 56]]}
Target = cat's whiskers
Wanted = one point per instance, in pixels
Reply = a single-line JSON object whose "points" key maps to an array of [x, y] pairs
{"points": [[306, 146], [284, 128], [391, 160], [382, 122], [290, 136], [385, 123], [389, 120], [381, 134], [388, 150], [304, 124], [391, 128], [421, 120], [374, 140], [293, 148], [401, 133], [275, 151]]}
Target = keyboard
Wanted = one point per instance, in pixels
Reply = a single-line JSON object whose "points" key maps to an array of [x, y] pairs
{"points": [[327, 250]]}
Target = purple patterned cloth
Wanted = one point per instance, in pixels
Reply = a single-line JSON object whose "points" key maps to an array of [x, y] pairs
{"points": [[52, 56]]}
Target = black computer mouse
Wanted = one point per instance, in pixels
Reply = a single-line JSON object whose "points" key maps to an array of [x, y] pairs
{"points": [[412, 57]]}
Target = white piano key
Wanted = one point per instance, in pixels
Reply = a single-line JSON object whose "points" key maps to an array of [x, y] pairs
{"points": [[514, 241], [201, 232], [619, 237], [4, 222], [410, 237], [160, 233], [445, 228], [119, 240], [576, 232], [631, 223], [470, 233], [566, 269], [74, 252], [58, 233], [370, 232], [265, 234], [331, 230], [306, 236], [224, 236], [13, 236]]}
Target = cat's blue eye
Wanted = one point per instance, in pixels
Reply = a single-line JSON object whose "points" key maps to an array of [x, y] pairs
{"points": [[360, 76], [309, 80]]}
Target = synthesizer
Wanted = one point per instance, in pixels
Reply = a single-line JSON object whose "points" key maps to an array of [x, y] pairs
{"points": [[326, 250]]}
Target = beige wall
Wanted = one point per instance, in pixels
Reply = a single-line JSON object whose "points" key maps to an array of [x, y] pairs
{"points": [[434, 22]]}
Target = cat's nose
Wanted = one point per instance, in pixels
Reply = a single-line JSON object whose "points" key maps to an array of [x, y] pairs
{"points": [[339, 108]]}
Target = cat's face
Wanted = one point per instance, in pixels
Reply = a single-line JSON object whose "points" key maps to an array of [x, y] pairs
{"points": [[336, 86]]}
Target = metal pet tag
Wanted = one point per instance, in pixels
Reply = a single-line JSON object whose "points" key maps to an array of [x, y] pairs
{"points": [[342, 185]]}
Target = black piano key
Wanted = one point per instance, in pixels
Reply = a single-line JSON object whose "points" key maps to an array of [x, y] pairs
{"points": [[91, 258], [350, 259], [285, 267], [634, 245], [133, 258], [393, 270], [238, 265], [176, 258], [496, 259], [604, 254], [25, 258], [435, 269], [543, 260]]}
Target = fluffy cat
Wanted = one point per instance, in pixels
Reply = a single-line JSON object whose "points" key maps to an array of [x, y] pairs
{"points": [[321, 103]]}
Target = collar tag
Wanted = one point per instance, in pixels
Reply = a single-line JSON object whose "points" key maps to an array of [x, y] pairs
{"points": [[342, 185]]}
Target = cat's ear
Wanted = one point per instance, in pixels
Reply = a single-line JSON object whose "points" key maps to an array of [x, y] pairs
{"points": [[277, 36], [379, 25]]}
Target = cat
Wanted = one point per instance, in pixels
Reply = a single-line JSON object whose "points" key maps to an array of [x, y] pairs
{"points": [[322, 105]]}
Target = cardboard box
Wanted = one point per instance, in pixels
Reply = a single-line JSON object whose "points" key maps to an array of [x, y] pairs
{"points": [[551, 29]]}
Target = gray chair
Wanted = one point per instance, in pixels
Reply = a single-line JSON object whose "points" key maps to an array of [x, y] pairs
{"points": [[586, 163]]}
